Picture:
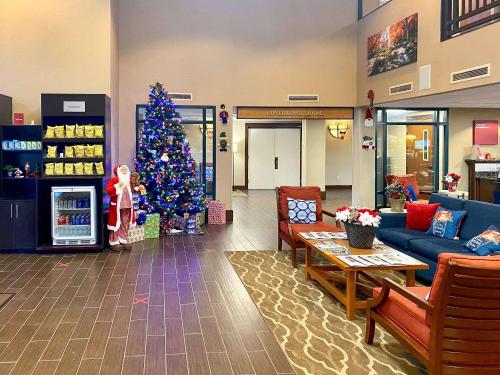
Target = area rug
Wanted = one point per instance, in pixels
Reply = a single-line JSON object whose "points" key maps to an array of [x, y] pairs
{"points": [[311, 326]]}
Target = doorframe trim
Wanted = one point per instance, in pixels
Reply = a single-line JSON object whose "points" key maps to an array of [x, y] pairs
{"points": [[271, 125]]}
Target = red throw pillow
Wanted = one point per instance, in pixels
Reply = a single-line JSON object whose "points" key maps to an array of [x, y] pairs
{"points": [[419, 216]]}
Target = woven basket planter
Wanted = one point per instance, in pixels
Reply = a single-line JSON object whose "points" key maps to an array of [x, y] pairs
{"points": [[360, 237]]}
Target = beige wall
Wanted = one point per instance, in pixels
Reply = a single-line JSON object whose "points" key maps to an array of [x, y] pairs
{"points": [[460, 139], [237, 53], [468, 50], [339, 160], [55, 46], [313, 153]]}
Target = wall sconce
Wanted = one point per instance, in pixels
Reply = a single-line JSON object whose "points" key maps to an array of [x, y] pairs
{"points": [[210, 130], [338, 129]]}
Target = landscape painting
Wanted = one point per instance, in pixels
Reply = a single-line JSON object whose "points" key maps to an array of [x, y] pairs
{"points": [[393, 47]]}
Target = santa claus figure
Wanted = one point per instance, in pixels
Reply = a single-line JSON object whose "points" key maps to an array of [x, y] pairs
{"points": [[121, 213]]}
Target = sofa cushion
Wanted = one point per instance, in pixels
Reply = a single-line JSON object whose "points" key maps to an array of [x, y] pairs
{"points": [[299, 192], [432, 247], [405, 314], [401, 236], [448, 202], [480, 216]]}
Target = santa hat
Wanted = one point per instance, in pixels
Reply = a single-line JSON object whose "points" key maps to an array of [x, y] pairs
{"points": [[115, 169]]}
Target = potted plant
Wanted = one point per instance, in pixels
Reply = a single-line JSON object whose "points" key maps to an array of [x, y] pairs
{"points": [[360, 225], [397, 193], [9, 169], [451, 181]]}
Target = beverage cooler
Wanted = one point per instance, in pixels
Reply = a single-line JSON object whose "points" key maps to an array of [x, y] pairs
{"points": [[74, 220]]}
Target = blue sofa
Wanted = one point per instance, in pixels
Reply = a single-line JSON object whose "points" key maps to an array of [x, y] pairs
{"points": [[426, 247]]}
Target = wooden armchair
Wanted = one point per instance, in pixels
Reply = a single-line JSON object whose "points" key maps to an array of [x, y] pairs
{"points": [[287, 231], [406, 180], [457, 331]]}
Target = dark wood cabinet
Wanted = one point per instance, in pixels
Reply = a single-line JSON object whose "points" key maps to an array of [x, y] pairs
{"points": [[484, 180], [18, 230]]}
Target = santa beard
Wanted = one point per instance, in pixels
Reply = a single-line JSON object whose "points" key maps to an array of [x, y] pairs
{"points": [[124, 178]]}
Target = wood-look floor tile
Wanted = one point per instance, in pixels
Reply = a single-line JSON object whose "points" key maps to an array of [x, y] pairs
{"points": [[261, 363], [6, 367], [196, 355], [143, 282], [203, 304], [107, 310], [58, 342], [223, 317], [98, 340], [136, 338], [275, 353], [219, 364], [156, 320], [96, 297], [156, 296], [78, 277], [185, 293], [170, 283], [176, 364], [249, 336], [211, 335], [172, 305], [85, 323], [10, 329], [121, 321], [74, 311], [174, 336], [89, 366], [29, 358], [237, 354], [126, 295], [14, 350], [45, 368], [34, 299], [115, 285], [155, 355], [113, 357], [86, 287], [71, 357], [190, 319], [139, 310], [134, 366]]}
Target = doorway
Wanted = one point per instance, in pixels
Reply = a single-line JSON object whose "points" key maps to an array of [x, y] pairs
{"points": [[273, 155]]}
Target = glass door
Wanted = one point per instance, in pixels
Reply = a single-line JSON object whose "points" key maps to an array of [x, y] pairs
{"points": [[411, 143], [199, 124]]}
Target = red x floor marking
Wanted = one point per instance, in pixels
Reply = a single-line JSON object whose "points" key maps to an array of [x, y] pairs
{"points": [[141, 300], [211, 250], [62, 264]]}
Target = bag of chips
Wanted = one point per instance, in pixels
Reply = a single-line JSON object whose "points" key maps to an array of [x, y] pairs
{"points": [[59, 169], [99, 167], [99, 131], [80, 131], [70, 131], [98, 151], [88, 168], [51, 132], [69, 152], [89, 151], [79, 169], [51, 151], [69, 168], [59, 131], [89, 131], [49, 169], [79, 151]]}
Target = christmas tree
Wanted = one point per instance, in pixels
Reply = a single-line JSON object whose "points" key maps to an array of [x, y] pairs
{"points": [[164, 161]]}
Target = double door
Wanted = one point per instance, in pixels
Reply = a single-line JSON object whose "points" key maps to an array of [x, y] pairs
{"points": [[18, 223], [274, 157]]}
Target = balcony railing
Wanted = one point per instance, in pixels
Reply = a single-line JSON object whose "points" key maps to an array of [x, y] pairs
{"points": [[460, 16]]}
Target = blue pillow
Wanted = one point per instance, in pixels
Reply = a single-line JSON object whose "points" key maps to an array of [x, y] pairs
{"points": [[446, 223], [411, 190], [301, 211], [486, 243]]}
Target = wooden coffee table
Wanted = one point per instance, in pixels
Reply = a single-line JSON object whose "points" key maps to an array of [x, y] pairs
{"points": [[328, 275]]}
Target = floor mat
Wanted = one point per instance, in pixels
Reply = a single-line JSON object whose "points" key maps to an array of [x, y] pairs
{"points": [[5, 298], [311, 326]]}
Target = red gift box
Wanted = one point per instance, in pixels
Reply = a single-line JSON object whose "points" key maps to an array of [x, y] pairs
{"points": [[216, 213], [18, 118]]}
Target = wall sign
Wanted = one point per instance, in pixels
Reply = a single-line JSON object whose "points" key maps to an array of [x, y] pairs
{"points": [[73, 106], [295, 113], [485, 132]]}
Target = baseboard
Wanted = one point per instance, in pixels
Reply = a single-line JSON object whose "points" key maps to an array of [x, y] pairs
{"points": [[239, 187], [338, 187], [229, 216], [323, 195]]}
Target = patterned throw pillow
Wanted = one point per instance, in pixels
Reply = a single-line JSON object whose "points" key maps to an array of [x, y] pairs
{"points": [[301, 211], [486, 243], [446, 223]]}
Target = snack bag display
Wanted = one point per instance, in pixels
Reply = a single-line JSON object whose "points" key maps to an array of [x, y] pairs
{"points": [[51, 132], [89, 151], [69, 152], [99, 167], [79, 151], [51, 151], [89, 131], [79, 168], [69, 168], [88, 168], [49, 169], [70, 131], [59, 130], [59, 169], [80, 131], [98, 151], [99, 131]]}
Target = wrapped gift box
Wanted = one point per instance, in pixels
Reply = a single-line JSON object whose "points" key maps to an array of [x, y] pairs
{"points": [[152, 226], [136, 234], [216, 212]]}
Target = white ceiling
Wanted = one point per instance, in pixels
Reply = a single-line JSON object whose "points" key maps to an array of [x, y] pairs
{"points": [[478, 97]]}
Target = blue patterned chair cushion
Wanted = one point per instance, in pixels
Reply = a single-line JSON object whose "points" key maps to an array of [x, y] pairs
{"points": [[301, 211]]}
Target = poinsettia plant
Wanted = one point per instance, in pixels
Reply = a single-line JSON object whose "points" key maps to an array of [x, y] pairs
{"points": [[361, 216], [452, 177], [397, 190]]}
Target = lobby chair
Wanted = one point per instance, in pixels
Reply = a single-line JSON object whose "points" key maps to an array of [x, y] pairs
{"points": [[457, 331], [288, 231]]}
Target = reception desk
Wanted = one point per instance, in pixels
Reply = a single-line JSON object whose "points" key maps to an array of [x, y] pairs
{"points": [[484, 180]]}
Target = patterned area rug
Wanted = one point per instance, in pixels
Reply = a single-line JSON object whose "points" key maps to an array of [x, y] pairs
{"points": [[311, 326]]}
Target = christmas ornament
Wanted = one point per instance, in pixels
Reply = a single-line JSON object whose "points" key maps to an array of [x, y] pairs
{"points": [[27, 168], [370, 110], [223, 115], [164, 157], [368, 143], [223, 142], [18, 173]]}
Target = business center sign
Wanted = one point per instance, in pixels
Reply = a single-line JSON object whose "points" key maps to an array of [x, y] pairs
{"points": [[295, 113]]}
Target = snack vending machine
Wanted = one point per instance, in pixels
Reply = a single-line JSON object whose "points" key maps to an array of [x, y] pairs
{"points": [[74, 218]]}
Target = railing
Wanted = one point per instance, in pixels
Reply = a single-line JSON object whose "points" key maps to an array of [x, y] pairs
{"points": [[460, 16]]}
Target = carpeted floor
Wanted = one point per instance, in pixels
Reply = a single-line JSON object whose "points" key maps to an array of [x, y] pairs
{"points": [[311, 326]]}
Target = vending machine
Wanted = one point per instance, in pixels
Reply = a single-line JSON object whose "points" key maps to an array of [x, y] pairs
{"points": [[74, 220]]}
